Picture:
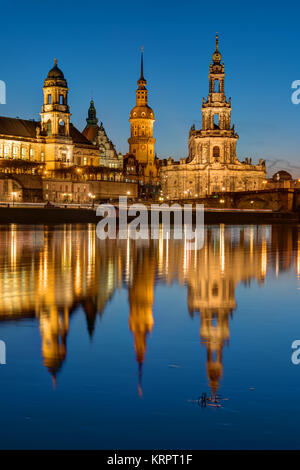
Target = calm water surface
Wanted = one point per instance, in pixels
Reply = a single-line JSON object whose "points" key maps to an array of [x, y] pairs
{"points": [[110, 344]]}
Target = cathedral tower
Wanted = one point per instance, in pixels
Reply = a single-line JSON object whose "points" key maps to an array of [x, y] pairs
{"points": [[212, 165], [218, 137], [141, 141]]}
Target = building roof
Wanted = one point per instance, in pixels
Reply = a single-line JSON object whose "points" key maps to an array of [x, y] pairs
{"points": [[78, 137], [90, 132], [282, 175], [18, 127], [27, 128]]}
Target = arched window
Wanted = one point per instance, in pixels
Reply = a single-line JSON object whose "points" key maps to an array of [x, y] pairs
{"points": [[216, 153], [61, 99], [62, 127], [216, 121], [49, 128], [216, 86], [49, 99]]}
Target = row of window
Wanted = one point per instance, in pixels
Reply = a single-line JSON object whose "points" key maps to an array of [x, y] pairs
{"points": [[62, 99], [16, 152], [64, 188]]}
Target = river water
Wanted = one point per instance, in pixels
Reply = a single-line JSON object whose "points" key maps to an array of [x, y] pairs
{"points": [[123, 344]]}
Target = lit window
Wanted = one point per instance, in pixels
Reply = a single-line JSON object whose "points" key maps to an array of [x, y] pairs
{"points": [[6, 151], [32, 153], [23, 152], [42, 157], [84, 160], [15, 152], [49, 128]]}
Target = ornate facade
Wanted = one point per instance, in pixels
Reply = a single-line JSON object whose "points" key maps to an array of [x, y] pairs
{"points": [[53, 142], [212, 164]]}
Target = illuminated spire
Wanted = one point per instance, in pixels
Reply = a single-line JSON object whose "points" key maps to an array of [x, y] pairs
{"points": [[217, 55], [55, 61]]}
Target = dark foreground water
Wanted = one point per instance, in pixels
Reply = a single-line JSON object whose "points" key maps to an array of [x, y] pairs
{"points": [[110, 344]]}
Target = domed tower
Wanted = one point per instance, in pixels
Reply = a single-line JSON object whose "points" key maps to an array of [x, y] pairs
{"points": [[55, 115], [141, 141], [55, 120]]}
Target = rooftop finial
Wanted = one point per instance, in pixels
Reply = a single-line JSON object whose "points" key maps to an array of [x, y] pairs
{"points": [[55, 61], [217, 41], [142, 62]]}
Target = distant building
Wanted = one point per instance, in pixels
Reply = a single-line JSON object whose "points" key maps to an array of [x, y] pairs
{"points": [[108, 156], [212, 164]]}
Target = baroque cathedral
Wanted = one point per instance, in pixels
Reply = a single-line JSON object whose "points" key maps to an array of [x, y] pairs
{"points": [[212, 164]]}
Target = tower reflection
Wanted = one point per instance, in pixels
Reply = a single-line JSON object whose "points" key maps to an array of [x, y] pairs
{"points": [[48, 273]]}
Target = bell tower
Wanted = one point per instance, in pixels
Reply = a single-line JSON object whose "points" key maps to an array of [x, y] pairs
{"points": [[141, 141], [216, 141], [55, 115]]}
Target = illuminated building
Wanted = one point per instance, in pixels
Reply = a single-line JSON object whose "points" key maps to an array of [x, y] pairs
{"points": [[212, 164], [52, 160], [54, 141], [141, 141]]}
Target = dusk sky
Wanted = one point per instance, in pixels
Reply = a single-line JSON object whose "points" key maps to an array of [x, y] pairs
{"points": [[97, 45]]}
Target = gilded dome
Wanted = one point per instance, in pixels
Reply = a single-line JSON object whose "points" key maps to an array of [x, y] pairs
{"points": [[55, 77], [142, 112]]}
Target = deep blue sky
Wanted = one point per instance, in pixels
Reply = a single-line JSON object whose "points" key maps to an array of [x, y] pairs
{"points": [[98, 48]]}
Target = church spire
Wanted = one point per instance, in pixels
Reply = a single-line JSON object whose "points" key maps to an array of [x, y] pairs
{"points": [[92, 117], [216, 57], [142, 82], [142, 63]]}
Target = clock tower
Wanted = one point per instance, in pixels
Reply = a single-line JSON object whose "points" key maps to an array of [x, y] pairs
{"points": [[141, 141]]}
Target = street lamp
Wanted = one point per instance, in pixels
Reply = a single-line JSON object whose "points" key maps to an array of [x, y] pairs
{"points": [[14, 194], [92, 197]]}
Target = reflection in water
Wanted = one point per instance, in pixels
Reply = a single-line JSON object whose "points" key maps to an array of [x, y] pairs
{"points": [[47, 273]]}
